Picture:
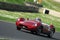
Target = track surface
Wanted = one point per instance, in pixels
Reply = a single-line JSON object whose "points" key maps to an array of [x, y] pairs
{"points": [[8, 30]]}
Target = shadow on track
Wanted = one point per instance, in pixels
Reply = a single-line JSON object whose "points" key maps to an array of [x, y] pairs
{"points": [[39, 35]]}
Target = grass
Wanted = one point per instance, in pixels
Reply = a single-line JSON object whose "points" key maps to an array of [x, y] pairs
{"points": [[14, 1], [51, 5], [12, 16], [7, 19], [17, 1]]}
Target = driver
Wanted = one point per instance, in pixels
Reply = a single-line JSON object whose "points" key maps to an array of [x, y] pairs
{"points": [[38, 19], [43, 24], [46, 26]]}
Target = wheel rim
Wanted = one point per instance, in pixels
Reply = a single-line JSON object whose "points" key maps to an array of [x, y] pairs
{"points": [[39, 30], [51, 34]]}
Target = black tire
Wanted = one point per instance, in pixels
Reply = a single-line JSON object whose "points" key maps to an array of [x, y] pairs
{"points": [[18, 28], [50, 34], [54, 30], [32, 32], [39, 30]]}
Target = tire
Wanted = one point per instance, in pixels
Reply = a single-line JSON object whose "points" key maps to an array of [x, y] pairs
{"points": [[18, 28], [39, 30], [32, 32], [54, 30], [50, 34]]}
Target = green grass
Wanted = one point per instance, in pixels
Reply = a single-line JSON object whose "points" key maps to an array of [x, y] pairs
{"points": [[17, 1], [14, 1], [12, 16], [7, 19], [51, 5]]}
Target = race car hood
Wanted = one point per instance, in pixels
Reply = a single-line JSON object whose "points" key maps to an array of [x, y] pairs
{"points": [[29, 22]]}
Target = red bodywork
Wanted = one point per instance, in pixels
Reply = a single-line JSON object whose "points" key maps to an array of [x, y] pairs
{"points": [[32, 24], [29, 24], [35, 26]]}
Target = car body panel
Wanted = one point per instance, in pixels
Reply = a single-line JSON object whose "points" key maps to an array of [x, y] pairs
{"points": [[30, 24], [33, 25]]}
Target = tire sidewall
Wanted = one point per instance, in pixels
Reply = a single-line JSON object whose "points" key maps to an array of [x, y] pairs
{"points": [[39, 30], [50, 34]]}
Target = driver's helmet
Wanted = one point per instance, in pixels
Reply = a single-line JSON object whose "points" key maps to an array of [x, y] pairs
{"points": [[38, 19], [27, 18]]}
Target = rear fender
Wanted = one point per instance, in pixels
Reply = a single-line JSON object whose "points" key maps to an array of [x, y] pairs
{"points": [[51, 26]]}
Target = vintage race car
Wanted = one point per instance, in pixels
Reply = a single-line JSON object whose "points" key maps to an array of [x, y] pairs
{"points": [[34, 26]]}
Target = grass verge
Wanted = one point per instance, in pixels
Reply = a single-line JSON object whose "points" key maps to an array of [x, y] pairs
{"points": [[51, 4]]}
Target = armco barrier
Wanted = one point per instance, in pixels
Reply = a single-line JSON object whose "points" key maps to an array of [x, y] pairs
{"points": [[16, 7]]}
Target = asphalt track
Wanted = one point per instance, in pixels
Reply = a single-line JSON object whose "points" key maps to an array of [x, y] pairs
{"points": [[8, 30]]}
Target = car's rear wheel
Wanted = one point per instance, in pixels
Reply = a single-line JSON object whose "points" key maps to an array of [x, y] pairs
{"points": [[50, 34], [18, 28], [32, 32]]}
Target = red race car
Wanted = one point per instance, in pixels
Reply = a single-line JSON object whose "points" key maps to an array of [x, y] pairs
{"points": [[35, 26]]}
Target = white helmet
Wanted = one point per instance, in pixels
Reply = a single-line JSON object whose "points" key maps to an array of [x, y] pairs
{"points": [[38, 19]]}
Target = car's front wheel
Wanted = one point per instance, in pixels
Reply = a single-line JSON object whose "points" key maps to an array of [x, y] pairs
{"points": [[18, 28], [32, 32]]}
